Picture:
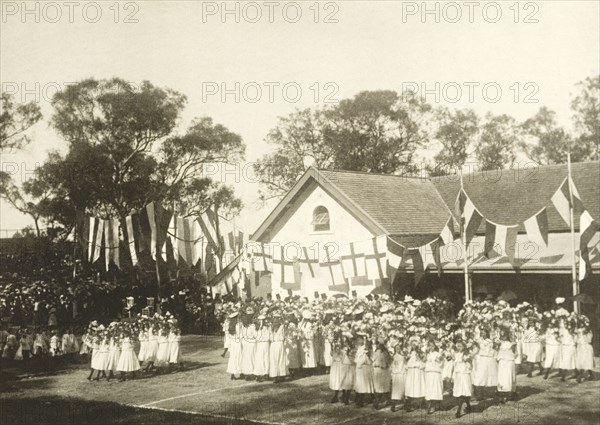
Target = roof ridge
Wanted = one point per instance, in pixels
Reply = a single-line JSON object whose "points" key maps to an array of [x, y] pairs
{"points": [[336, 170]]}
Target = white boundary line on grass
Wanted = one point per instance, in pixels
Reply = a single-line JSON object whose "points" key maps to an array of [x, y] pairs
{"points": [[208, 415], [194, 394]]}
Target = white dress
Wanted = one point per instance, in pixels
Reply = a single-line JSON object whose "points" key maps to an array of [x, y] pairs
{"points": [[486, 367], [95, 360], [551, 361], [102, 357], [415, 377], [567, 350], [114, 354], [327, 352], [462, 377], [143, 354], [382, 376], [162, 354], [434, 385], [309, 359], [226, 333], [347, 371], [234, 364], [335, 381], [277, 354], [507, 376], [398, 376], [363, 381], [174, 351], [261, 355], [585, 353], [248, 348], [152, 347], [128, 361], [532, 346]]}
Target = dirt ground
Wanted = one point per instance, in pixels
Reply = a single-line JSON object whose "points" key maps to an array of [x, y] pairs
{"points": [[203, 393]]}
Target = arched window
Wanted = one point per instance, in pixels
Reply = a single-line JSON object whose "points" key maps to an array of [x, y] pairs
{"points": [[320, 220]]}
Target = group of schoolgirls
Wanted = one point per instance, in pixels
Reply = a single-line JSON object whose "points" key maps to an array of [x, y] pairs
{"points": [[23, 344], [113, 348]]}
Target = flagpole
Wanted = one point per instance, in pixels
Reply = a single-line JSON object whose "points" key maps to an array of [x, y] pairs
{"points": [[572, 225], [468, 296], [75, 250]]}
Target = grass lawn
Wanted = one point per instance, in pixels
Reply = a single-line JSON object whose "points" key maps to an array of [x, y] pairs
{"points": [[204, 394]]}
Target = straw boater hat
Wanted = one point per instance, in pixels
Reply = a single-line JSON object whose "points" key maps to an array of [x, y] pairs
{"points": [[384, 309], [233, 315], [261, 316]]}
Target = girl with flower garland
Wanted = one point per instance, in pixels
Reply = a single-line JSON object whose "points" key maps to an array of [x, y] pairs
{"points": [[96, 364], [114, 350], [415, 374], [225, 328], [347, 369], [552, 346], [363, 381], [174, 345], [434, 393], [486, 368], [152, 347], [462, 369], [278, 369], [532, 346], [248, 344], [102, 358], [507, 376], [584, 360], [382, 376], [309, 359], [144, 339], [566, 362], [234, 364], [261, 355], [128, 361], [162, 352], [335, 375], [398, 370], [292, 348]]}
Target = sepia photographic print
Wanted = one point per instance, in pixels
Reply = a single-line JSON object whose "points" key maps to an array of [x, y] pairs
{"points": [[341, 212]]}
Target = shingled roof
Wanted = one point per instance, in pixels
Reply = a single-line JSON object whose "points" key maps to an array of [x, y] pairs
{"points": [[413, 210]]}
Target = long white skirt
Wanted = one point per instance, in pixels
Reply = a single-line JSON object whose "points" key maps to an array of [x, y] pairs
{"points": [[584, 359], [277, 360], [174, 352], [234, 364], [462, 385], [335, 376], [292, 355], [113, 359], [415, 382], [327, 353], [363, 381], [261, 358], [507, 376], [162, 354], [128, 361], [448, 369], [551, 361], [532, 351], [486, 372], [434, 386], [398, 385], [151, 351], [97, 360], [248, 350], [143, 354], [309, 358], [382, 379], [567, 357], [347, 376]]}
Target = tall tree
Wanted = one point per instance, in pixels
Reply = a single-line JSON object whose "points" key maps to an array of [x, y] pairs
{"points": [[15, 120], [497, 142], [456, 132], [544, 141], [586, 108]]}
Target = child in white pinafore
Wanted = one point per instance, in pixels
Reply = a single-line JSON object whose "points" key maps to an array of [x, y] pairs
{"points": [[507, 374], [144, 342], [552, 359], [462, 387], [277, 355], [363, 381], [162, 353], [486, 366], [152, 347], [382, 376], [584, 360], [335, 382], [532, 347], [114, 351], [248, 344], [434, 387], [174, 345], [398, 370], [415, 375], [261, 354], [128, 361], [234, 364], [102, 358], [347, 373]]}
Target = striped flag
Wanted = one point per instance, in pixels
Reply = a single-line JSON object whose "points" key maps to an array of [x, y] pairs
{"points": [[131, 239], [471, 217], [562, 199], [417, 262], [587, 229], [111, 242], [500, 239], [97, 240], [261, 257], [430, 255], [447, 233], [375, 258], [537, 228], [150, 211], [395, 254], [207, 224], [172, 237], [353, 260]]}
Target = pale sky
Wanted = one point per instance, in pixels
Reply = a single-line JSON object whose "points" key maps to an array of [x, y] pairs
{"points": [[373, 45]]}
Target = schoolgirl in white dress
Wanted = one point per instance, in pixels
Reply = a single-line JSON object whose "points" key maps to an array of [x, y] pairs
{"points": [[462, 385], [144, 342], [434, 384], [486, 366], [584, 360], [364, 380], [234, 363], [382, 375], [248, 344], [566, 361], [261, 355], [163, 352], [277, 356], [309, 350], [114, 351], [174, 345], [335, 381], [552, 345], [347, 372], [532, 347], [128, 361], [398, 370], [415, 375], [507, 375], [152, 346]]}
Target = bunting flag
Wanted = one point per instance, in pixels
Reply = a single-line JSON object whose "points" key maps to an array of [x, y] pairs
{"points": [[395, 254], [283, 270], [471, 217], [562, 199], [190, 246], [131, 239], [262, 259], [417, 261], [537, 228], [93, 224], [430, 255], [97, 240], [207, 223], [500, 239], [587, 229], [82, 224], [375, 258], [353, 262], [150, 212], [111, 242], [331, 267], [447, 235], [309, 263], [240, 241], [172, 236]]}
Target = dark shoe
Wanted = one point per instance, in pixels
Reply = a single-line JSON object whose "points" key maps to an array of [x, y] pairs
{"points": [[335, 398], [393, 408], [529, 375]]}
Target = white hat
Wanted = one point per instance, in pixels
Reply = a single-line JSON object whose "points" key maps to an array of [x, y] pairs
{"points": [[306, 314], [233, 315], [261, 317], [559, 300]]}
